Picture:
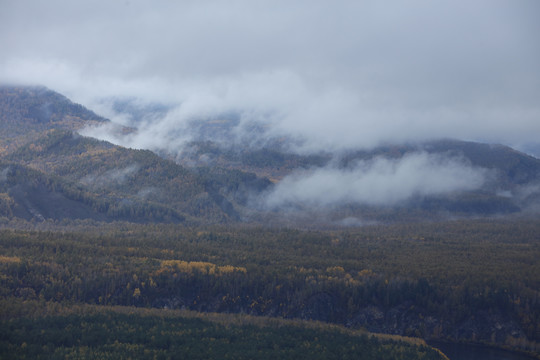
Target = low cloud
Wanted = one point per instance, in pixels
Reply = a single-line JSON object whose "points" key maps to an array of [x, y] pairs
{"points": [[330, 75], [110, 177], [282, 104], [379, 181], [4, 174]]}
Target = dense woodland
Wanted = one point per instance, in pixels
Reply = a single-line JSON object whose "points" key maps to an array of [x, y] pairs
{"points": [[463, 281], [127, 333]]}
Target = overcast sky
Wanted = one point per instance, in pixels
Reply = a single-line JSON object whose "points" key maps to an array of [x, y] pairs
{"points": [[338, 73]]}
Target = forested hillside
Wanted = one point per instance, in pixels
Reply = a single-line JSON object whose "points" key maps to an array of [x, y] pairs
{"points": [[213, 182], [25, 112], [51, 172], [118, 182]]}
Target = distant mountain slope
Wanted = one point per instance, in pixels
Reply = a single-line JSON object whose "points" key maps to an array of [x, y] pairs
{"points": [[98, 180], [48, 171], [267, 162], [31, 195], [511, 167], [511, 184], [25, 112], [120, 182]]}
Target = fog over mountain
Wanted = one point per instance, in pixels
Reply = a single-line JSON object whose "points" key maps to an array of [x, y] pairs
{"points": [[310, 76], [338, 75], [378, 182]]}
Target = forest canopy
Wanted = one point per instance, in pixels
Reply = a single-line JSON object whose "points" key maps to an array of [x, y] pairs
{"points": [[434, 277]]}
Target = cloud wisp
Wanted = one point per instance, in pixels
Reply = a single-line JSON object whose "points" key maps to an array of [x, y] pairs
{"points": [[379, 182], [110, 177]]}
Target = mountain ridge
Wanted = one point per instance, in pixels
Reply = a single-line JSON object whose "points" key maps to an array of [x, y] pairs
{"points": [[216, 184]]}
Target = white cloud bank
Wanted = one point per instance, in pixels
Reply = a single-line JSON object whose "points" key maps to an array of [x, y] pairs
{"points": [[380, 181]]}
